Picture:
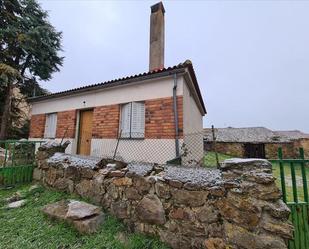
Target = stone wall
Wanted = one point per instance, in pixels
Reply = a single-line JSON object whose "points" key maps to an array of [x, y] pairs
{"points": [[303, 143], [231, 149], [238, 206], [288, 150]]}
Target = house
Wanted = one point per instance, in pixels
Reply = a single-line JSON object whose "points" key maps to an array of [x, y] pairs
{"points": [[145, 117], [256, 142]]}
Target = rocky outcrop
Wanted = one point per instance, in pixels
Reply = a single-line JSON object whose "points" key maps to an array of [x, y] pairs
{"points": [[237, 206]]}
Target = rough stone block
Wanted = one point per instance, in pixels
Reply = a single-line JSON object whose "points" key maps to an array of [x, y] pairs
{"points": [[150, 210]]}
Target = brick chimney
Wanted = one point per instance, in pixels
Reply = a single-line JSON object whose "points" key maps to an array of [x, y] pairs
{"points": [[156, 50]]}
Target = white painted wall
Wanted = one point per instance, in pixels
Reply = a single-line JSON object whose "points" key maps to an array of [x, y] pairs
{"points": [[145, 150], [193, 128], [150, 89]]}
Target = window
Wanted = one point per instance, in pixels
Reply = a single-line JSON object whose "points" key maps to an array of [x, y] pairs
{"points": [[133, 120], [50, 125]]}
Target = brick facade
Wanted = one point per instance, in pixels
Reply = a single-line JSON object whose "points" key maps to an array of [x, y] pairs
{"points": [[66, 124], [159, 121], [106, 121], [37, 126], [159, 118]]}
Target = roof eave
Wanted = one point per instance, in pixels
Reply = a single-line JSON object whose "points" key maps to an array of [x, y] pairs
{"points": [[107, 85]]}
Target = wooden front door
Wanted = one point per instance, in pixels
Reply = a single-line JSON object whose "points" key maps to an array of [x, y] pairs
{"points": [[85, 132]]}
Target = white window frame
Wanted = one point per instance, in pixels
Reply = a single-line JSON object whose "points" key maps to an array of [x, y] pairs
{"points": [[132, 120], [50, 125]]}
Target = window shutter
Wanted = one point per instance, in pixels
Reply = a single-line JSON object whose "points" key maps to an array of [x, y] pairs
{"points": [[50, 125], [138, 120], [125, 120]]}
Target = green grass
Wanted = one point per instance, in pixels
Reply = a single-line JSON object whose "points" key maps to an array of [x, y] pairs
{"points": [[210, 159], [288, 179], [27, 227]]}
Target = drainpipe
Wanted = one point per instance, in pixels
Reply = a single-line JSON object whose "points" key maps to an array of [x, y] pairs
{"points": [[176, 116]]}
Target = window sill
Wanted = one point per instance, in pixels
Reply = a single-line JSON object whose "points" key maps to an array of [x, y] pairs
{"points": [[131, 138]]}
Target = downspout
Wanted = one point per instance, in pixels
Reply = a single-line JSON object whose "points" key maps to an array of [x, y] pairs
{"points": [[176, 116]]}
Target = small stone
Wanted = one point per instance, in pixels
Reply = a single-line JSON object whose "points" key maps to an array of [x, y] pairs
{"points": [[124, 181], [259, 177], [15, 197], [37, 174], [269, 192], [245, 164], [61, 184], [87, 173], [34, 188], [120, 209], [191, 186], [231, 184], [72, 172], [217, 191], [84, 188], [117, 173], [162, 190], [278, 209], [150, 210], [89, 225], [17, 204], [191, 198], [57, 210], [111, 164], [175, 183], [79, 210], [284, 229], [207, 214], [215, 243], [132, 194], [141, 184], [104, 171], [181, 214]]}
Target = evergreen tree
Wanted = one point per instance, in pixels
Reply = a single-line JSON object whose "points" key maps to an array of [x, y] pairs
{"points": [[29, 52]]}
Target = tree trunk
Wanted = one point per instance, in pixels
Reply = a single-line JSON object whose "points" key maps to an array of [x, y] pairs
{"points": [[6, 115]]}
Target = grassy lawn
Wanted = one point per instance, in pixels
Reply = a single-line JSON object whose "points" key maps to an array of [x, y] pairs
{"points": [[288, 180], [27, 227], [210, 159]]}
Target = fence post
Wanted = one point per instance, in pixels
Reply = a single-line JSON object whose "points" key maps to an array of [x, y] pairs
{"points": [[282, 177], [215, 144], [303, 172], [115, 152]]}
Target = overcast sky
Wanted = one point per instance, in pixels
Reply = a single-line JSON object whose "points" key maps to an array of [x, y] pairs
{"points": [[251, 57]]}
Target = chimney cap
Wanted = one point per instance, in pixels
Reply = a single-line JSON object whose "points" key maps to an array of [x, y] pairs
{"points": [[156, 7]]}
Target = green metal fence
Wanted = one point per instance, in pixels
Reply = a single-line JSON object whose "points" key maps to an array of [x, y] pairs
{"points": [[17, 161], [293, 178]]}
